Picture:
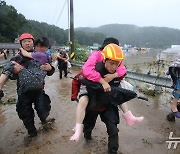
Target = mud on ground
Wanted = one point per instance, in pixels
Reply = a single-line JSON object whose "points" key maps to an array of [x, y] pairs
{"points": [[148, 137]]}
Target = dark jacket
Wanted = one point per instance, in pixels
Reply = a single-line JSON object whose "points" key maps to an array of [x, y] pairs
{"points": [[99, 99], [27, 63]]}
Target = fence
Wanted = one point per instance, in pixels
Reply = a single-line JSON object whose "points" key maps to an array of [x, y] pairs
{"points": [[158, 80]]}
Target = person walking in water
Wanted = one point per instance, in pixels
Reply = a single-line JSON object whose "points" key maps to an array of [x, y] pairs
{"points": [[174, 72], [130, 119], [26, 99], [62, 58]]}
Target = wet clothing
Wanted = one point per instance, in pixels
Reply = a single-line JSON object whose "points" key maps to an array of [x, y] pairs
{"points": [[176, 91], [62, 65], [99, 99], [102, 98], [109, 115], [41, 57], [26, 99], [8, 68], [25, 111], [111, 118], [76, 86], [174, 72], [175, 76], [174, 69], [116, 96], [89, 71], [32, 77]]}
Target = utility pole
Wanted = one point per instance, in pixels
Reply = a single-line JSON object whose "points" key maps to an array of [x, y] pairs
{"points": [[71, 26], [68, 8]]}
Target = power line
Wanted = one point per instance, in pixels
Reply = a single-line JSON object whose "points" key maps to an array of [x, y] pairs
{"points": [[56, 9], [45, 11], [61, 12]]}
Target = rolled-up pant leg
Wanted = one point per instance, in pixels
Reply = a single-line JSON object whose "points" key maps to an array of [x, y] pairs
{"points": [[42, 105], [26, 112], [111, 118]]}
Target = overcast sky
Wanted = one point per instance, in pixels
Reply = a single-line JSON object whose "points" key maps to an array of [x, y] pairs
{"points": [[94, 13]]}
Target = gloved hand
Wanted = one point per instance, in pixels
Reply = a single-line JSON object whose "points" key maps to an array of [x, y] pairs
{"points": [[1, 94]]}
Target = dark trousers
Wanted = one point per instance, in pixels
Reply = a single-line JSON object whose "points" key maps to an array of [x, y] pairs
{"points": [[62, 67], [25, 111], [111, 118], [174, 73]]}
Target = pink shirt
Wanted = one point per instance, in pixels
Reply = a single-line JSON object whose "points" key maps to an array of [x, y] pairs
{"points": [[89, 67]]}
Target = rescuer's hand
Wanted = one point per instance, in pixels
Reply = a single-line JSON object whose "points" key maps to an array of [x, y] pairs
{"points": [[46, 67], [110, 77], [105, 85]]}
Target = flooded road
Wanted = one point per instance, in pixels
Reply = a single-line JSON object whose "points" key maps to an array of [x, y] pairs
{"points": [[148, 137]]}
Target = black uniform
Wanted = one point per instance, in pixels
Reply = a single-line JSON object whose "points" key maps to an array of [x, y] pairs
{"points": [[26, 99], [109, 114], [62, 65]]}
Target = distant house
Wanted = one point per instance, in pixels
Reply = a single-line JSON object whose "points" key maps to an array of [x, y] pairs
{"points": [[95, 46]]}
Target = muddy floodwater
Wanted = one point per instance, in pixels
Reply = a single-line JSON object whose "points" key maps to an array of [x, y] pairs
{"points": [[148, 137]]}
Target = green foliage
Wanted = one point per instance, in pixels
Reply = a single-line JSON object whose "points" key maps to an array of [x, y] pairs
{"points": [[81, 53], [86, 38], [13, 24], [151, 37], [10, 22]]}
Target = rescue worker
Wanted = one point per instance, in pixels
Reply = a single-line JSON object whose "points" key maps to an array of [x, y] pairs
{"points": [[62, 58], [108, 112], [92, 74], [26, 99]]}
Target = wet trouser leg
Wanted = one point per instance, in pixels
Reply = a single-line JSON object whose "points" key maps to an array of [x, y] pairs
{"points": [[60, 67], [65, 69], [26, 112], [42, 105], [111, 118], [174, 73], [89, 123]]}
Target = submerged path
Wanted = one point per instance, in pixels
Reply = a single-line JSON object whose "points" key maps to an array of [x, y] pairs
{"points": [[148, 137]]}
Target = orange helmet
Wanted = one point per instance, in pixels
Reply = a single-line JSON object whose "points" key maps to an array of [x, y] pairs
{"points": [[26, 36], [113, 52]]}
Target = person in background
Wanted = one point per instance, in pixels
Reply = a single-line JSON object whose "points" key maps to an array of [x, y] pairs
{"points": [[62, 58], [174, 72]]}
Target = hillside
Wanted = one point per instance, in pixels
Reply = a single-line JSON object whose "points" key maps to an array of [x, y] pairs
{"points": [[157, 37], [12, 24]]}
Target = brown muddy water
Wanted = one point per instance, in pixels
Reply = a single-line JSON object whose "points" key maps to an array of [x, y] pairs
{"points": [[148, 137]]}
